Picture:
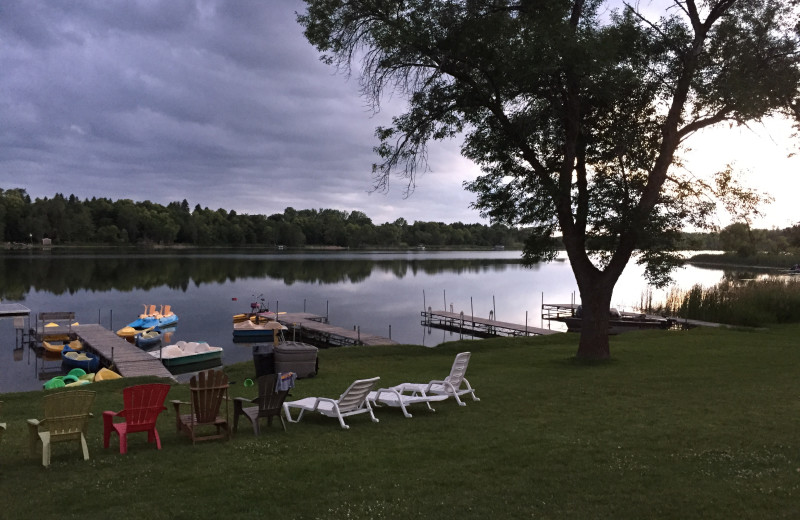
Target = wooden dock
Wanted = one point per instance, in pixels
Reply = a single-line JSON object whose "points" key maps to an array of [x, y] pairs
{"points": [[316, 330], [480, 327], [559, 311], [129, 360]]}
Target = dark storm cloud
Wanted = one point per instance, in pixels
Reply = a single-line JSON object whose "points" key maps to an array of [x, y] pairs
{"points": [[222, 103]]}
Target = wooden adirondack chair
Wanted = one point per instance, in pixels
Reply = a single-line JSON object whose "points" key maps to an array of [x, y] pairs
{"points": [[209, 389], [142, 405], [66, 418], [268, 404]]}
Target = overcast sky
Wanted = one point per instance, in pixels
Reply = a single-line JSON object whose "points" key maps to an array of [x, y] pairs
{"points": [[225, 104]]}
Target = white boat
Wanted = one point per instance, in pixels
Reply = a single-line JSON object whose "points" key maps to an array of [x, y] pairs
{"points": [[185, 352]]}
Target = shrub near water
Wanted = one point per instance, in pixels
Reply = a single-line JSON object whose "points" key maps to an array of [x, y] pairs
{"points": [[780, 260], [752, 303]]}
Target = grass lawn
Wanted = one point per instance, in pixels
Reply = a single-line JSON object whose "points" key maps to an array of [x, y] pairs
{"points": [[691, 424]]}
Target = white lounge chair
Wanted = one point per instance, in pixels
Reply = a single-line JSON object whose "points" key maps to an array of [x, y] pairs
{"points": [[352, 402], [397, 397], [454, 385]]}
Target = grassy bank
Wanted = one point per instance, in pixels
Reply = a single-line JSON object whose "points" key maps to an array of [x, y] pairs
{"points": [[702, 423]]}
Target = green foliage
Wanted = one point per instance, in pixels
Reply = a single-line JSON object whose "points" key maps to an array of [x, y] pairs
{"points": [[122, 222], [752, 303], [773, 260], [680, 425], [575, 111]]}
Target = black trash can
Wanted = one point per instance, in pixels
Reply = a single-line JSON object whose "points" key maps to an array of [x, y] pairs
{"points": [[263, 360]]}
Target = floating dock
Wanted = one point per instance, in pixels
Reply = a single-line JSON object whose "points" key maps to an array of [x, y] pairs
{"points": [[480, 327], [316, 330], [128, 360], [564, 311]]}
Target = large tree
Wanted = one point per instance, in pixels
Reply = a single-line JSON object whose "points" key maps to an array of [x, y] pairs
{"points": [[575, 111]]}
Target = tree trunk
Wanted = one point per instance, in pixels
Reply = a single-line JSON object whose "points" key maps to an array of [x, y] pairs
{"points": [[595, 305], [596, 288]]}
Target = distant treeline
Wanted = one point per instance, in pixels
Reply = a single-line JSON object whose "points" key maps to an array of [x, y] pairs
{"points": [[71, 221], [101, 221]]}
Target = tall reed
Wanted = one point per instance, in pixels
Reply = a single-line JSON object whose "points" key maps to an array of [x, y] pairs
{"points": [[748, 303]]}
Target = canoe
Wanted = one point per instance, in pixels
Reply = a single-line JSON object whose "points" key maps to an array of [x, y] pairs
{"points": [[85, 360], [186, 352], [105, 374]]}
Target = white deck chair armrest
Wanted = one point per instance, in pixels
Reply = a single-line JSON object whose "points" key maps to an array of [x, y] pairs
{"points": [[432, 383], [319, 400]]}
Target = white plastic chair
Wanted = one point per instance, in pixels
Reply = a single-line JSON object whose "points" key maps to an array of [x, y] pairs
{"points": [[352, 402], [397, 397], [454, 385]]}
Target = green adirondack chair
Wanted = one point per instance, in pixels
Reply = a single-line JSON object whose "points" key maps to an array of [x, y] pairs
{"points": [[66, 418]]}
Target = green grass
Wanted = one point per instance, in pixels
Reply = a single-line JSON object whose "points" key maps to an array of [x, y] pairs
{"points": [[702, 423]]}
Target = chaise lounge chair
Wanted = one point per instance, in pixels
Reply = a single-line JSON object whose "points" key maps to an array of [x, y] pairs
{"points": [[352, 402], [398, 397], [454, 385]]}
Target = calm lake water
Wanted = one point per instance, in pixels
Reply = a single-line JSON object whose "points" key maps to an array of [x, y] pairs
{"points": [[381, 293]]}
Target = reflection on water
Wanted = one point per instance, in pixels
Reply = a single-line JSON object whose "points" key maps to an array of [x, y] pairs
{"points": [[67, 273], [377, 293]]}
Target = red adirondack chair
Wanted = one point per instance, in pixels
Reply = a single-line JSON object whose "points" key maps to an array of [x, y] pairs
{"points": [[142, 404]]}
